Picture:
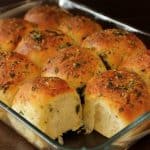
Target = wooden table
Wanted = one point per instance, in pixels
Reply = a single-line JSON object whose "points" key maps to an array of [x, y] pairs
{"points": [[10, 140]]}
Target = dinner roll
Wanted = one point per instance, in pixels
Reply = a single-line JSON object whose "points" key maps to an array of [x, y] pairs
{"points": [[75, 65], [79, 27], [49, 104], [46, 16], [139, 63], [14, 70], [39, 45], [113, 100], [114, 45], [11, 31]]}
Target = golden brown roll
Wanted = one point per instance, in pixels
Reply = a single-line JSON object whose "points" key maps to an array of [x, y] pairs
{"points": [[46, 16], [39, 45], [75, 65], [11, 31], [14, 70], [114, 45], [113, 100], [79, 27], [139, 63], [49, 104]]}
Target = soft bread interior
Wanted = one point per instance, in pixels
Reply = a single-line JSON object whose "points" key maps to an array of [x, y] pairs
{"points": [[62, 114], [105, 121], [66, 115], [7, 98], [98, 116]]}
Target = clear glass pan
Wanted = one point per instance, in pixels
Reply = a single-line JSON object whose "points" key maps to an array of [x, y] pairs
{"points": [[94, 141]]}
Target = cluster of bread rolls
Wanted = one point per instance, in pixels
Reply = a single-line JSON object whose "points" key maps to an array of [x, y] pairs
{"points": [[50, 54]]}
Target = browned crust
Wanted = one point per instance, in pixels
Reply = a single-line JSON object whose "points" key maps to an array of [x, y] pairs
{"points": [[114, 45], [124, 92], [15, 68], [79, 27], [39, 45], [46, 16], [75, 65], [53, 86], [42, 89], [139, 63], [11, 31]]}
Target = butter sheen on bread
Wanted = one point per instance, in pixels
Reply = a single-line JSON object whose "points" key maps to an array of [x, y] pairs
{"points": [[14, 70], [51, 105], [51, 61], [113, 100]]}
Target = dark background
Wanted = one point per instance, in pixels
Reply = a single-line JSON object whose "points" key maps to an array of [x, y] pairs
{"points": [[132, 12]]}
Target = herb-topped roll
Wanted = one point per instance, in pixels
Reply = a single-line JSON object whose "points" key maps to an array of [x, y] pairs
{"points": [[79, 27], [113, 100], [75, 65], [114, 45], [11, 32], [49, 104], [46, 16], [139, 63], [14, 70], [39, 45]]}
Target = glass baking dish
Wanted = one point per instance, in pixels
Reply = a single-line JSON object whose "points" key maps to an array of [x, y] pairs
{"points": [[72, 140]]}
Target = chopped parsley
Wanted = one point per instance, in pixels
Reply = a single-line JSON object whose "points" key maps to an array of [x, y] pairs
{"points": [[119, 75], [12, 74], [77, 108], [56, 70], [36, 36], [120, 32], [121, 109], [76, 65], [64, 45], [21, 113]]}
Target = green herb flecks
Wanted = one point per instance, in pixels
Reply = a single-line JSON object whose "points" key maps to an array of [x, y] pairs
{"points": [[64, 45], [21, 112], [36, 36], [12, 74], [120, 32], [119, 75], [76, 65], [50, 108], [121, 109], [56, 70], [77, 108]]}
